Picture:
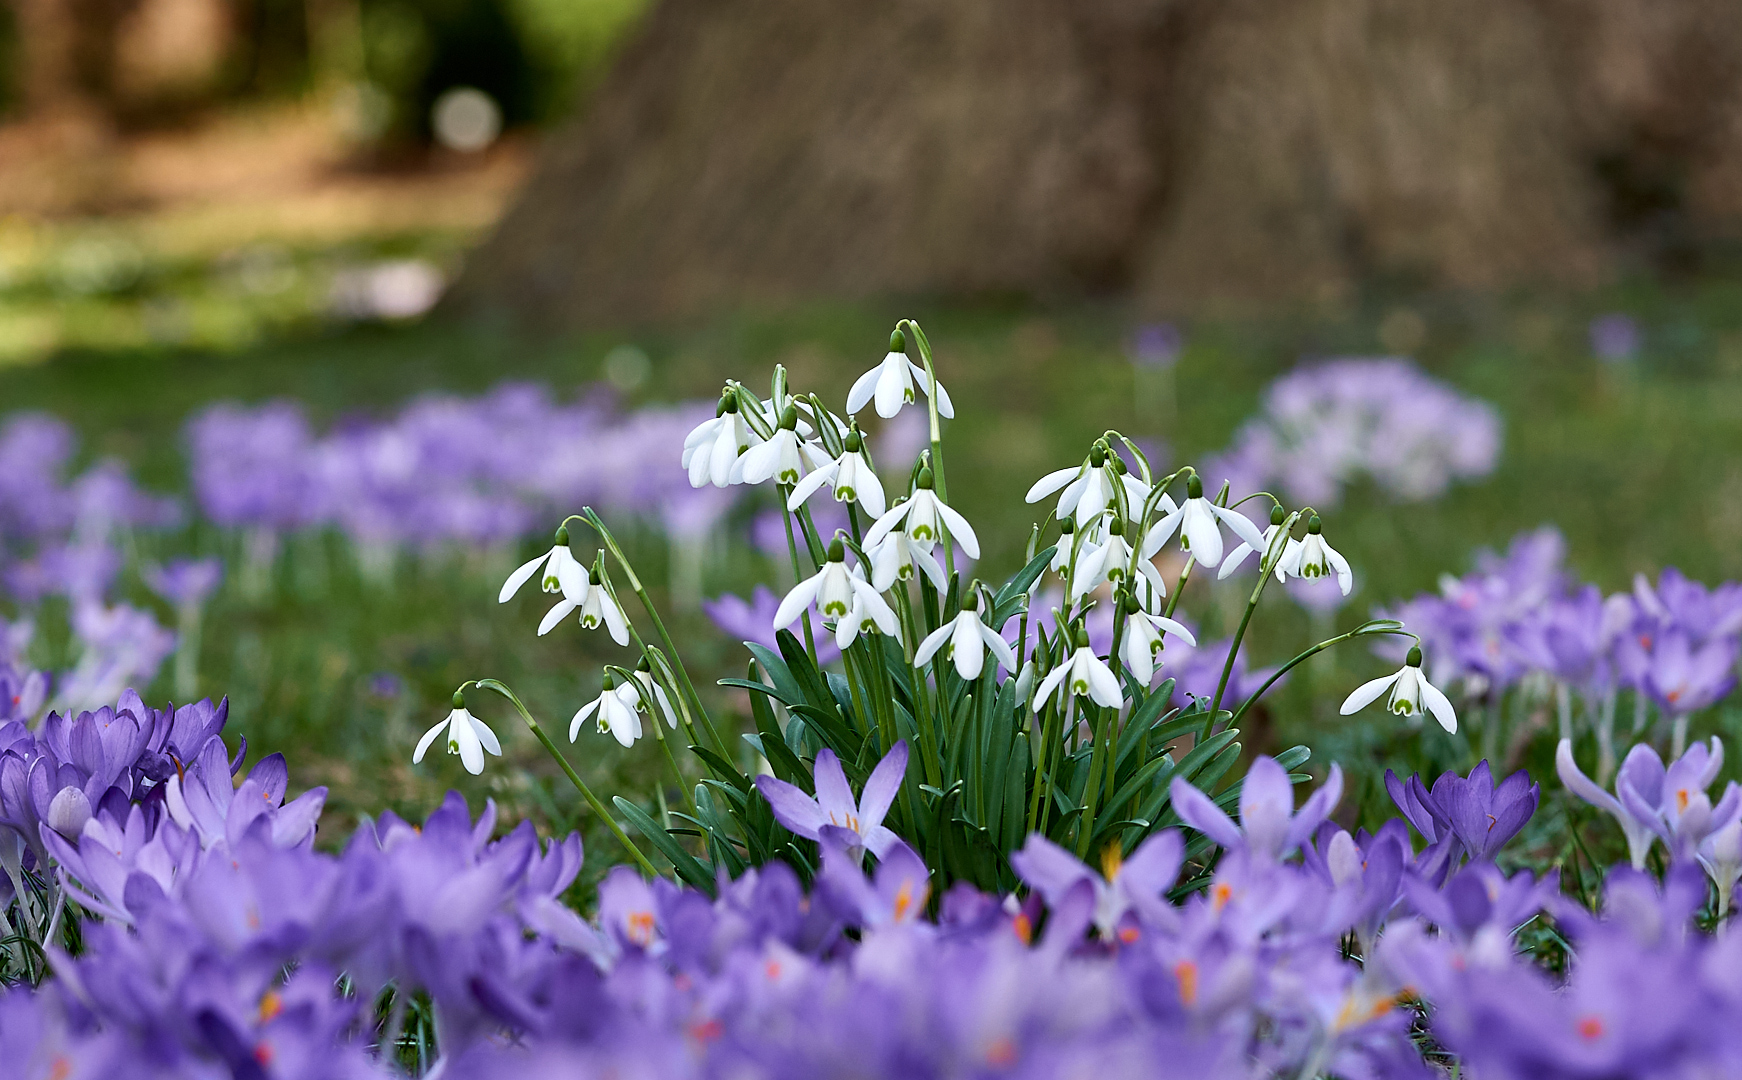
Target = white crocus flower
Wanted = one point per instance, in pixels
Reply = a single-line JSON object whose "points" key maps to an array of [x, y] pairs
{"points": [[713, 447], [920, 516], [467, 736], [1313, 558], [870, 612], [1141, 647], [1082, 674], [894, 558], [891, 383], [555, 561], [1411, 694], [833, 589], [968, 639], [851, 477], [613, 711], [1196, 522]]}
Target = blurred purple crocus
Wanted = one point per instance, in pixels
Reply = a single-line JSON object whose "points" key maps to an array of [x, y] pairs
{"points": [[1614, 337], [185, 582], [1127, 886], [1652, 802], [1156, 345], [753, 621]]}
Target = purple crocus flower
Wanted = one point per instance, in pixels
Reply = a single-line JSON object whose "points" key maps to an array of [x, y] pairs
{"points": [[1484, 815], [855, 823], [1156, 345], [895, 896], [1651, 801], [1127, 890], [1614, 337], [1269, 828]]}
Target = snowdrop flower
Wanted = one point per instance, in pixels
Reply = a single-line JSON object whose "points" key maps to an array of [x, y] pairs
{"points": [[1411, 693], [651, 690], [713, 447], [834, 806], [1239, 555], [1196, 524], [781, 459], [838, 593], [1110, 561], [1088, 488], [870, 613], [1313, 558], [556, 562], [891, 383], [467, 736], [614, 711], [1141, 647], [894, 558], [1083, 674], [968, 639], [850, 476], [921, 515], [576, 586], [598, 607]]}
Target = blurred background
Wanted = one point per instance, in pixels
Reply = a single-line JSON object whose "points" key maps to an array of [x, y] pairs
{"points": [[316, 315]]}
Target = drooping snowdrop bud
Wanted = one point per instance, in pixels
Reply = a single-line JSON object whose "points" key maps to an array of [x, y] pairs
{"points": [[891, 383], [467, 736], [921, 515], [712, 449], [1411, 694], [894, 559], [1083, 674], [614, 713], [559, 560], [1196, 522], [967, 638], [68, 811], [839, 594], [1238, 556], [1141, 647], [850, 475], [1313, 558]]}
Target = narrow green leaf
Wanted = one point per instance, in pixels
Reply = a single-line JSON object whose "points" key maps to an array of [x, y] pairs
{"points": [[686, 865]]}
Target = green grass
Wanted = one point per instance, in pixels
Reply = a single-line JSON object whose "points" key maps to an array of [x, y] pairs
{"points": [[1639, 468]]}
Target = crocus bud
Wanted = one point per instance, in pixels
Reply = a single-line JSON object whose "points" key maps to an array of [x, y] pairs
{"points": [[68, 812]]}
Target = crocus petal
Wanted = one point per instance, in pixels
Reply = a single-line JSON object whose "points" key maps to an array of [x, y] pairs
{"points": [[882, 786], [519, 578], [834, 796], [1197, 810], [1315, 810], [1580, 784], [1368, 692], [1266, 803]]}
